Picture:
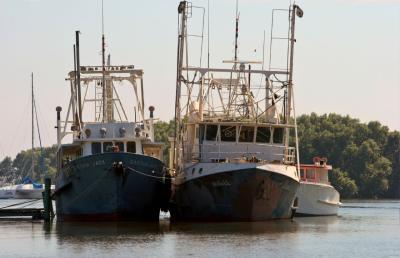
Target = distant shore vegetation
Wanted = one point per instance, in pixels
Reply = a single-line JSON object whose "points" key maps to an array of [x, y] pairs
{"points": [[365, 156]]}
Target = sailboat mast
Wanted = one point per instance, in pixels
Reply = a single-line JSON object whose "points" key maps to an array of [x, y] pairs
{"points": [[33, 131]]}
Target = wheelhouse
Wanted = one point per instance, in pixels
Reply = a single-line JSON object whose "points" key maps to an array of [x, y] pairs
{"points": [[101, 138], [229, 141], [317, 172]]}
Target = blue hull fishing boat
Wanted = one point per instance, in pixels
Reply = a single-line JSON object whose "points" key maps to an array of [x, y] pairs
{"points": [[113, 169]]}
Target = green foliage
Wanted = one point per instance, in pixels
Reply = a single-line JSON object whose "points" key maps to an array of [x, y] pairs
{"points": [[391, 150], [13, 171], [366, 155], [6, 170], [162, 131], [343, 183]]}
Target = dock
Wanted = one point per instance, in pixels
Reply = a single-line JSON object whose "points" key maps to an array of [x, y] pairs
{"points": [[45, 213], [34, 213]]}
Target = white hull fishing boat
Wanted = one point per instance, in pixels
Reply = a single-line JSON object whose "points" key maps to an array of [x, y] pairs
{"points": [[231, 153], [316, 196]]}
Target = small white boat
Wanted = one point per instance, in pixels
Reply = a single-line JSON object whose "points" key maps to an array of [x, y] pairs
{"points": [[7, 192], [27, 190], [316, 196]]}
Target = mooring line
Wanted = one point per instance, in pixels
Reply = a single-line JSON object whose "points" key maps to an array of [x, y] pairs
{"points": [[144, 174]]}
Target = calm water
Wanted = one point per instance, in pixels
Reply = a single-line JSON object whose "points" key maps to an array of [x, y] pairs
{"points": [[362, 229]]}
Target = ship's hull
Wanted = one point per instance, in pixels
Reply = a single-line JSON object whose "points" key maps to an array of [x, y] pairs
{"points": [[111, 186], [251, 194], [317, 200]]}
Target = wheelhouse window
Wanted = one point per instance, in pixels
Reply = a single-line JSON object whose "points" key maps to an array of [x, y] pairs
{"points": [[228, 133], [246, 134], [310, 174], [131, 147], [278, 135], [107, 146], [211, 132], [263, 134], [120, 145], [96, 147]]}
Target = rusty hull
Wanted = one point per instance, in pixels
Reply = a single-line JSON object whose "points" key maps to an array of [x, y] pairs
{"points": [[240, 195]]}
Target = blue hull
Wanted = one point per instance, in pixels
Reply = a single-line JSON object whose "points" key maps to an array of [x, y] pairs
{"points": [[96, 188], [240, 195]]}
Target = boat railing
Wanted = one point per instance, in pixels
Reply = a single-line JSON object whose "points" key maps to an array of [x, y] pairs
{"points": [[219, 153], [290, 155], [313, 175]]}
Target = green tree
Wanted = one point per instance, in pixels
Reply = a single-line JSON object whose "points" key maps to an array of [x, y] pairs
{"points": [[343, 183], [162, 132], [6, 170], [392, 152], [368, 153], [375, 178]]}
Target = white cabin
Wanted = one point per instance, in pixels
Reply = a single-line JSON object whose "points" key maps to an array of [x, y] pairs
{"points": [[100, 138]]}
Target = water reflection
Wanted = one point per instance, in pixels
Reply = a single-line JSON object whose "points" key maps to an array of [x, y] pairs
{"points": [[85, 237], [236, 228], [318, 220], [89, 229], [97, 230], [359, 231], [321, 224]]}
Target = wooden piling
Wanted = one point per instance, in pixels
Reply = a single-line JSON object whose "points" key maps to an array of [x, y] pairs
{"points": [[47, 202]]}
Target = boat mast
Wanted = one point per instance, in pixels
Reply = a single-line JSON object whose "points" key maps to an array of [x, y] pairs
{"points": [[236, 31], [103, 64], [293, 12], [235, 58], [296, 10], [78, 77], [181, 46], [33, 131]]}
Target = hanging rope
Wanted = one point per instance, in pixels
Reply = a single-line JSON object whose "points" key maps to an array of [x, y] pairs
{"points": [[144, 174]]}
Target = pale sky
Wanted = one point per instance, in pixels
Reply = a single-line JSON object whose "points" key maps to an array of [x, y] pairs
{"points": [[347, 55]]}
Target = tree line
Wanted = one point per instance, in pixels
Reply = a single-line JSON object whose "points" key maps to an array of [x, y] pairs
{"points": [[365, 156]]}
